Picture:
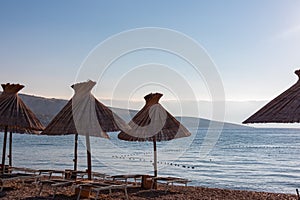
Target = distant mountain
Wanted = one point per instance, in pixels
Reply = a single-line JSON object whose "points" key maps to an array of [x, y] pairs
{"points": [[46, 108]]}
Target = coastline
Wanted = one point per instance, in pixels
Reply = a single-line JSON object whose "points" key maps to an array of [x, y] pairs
{"points": [[28, 191]]}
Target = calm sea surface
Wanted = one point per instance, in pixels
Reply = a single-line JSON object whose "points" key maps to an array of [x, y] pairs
{"points": [[248, 159]]}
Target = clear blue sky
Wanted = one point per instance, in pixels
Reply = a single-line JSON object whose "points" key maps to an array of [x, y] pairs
{"points": [[254, 43]]}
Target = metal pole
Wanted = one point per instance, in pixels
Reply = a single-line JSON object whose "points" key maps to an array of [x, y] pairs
{"points": [[4, 149], [10, 149], [89, 157], [155, 157], [75, 152]]}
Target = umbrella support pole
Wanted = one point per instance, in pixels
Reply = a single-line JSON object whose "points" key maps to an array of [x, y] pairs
{"points": [[75, 152], [10, 149], [89, 156], [4, 150], [155, 158]]}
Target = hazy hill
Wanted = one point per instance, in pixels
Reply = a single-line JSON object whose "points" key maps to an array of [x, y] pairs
{"points": [[46, 108]]}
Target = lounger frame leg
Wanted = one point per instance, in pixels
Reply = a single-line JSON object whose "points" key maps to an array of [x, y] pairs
{"points": [[97, 195], [78, 197], [41, 188], [126, 194], [1, 185], [54, 192]]}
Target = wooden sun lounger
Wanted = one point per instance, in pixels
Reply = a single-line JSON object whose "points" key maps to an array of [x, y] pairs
{"points": [[66, 180], [96, 187], [23, 170], [110, 188], [65, 174], [169, 181], [97, 175], [55, 184], [91, 189], [17, 177], [126, 177], [71, 174]]}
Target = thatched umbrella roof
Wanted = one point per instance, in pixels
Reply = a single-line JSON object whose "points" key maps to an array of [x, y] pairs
{"points": [[14, 114], [154, 123], [84, 115], [285, 108], [15, 117]]}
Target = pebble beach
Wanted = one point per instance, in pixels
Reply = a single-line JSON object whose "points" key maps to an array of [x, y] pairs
{"points": [[29, 191]]}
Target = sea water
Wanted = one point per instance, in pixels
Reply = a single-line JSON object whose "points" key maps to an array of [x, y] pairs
{"points": [[247, 159]]}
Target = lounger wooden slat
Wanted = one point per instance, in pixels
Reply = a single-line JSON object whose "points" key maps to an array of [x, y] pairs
{"points": [[126, 177], [91, 188], [169, 181]]}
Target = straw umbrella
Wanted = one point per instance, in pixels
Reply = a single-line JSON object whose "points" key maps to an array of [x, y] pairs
{"points": [[15, 117], [285, 108], [84, 115], [153, 123]]}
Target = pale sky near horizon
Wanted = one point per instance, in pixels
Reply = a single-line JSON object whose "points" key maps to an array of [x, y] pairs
{"points": [[254, 44]]}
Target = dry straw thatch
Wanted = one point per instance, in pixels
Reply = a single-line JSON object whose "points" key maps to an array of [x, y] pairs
{"points": [[14, 114], [15, 117], [170, 128], [285, 108], [85, 115], [154, 123], [80, 110]]}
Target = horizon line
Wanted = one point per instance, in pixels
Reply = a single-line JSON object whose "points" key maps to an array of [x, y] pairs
{"points": [[142, 99]]}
